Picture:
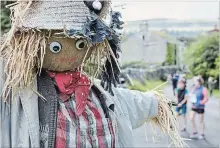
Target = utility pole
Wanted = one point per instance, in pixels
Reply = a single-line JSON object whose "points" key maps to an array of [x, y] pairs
{"points": [[147, 41], [145, 33]]}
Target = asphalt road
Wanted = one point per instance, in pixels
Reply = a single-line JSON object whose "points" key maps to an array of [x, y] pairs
{"points": [[145, 136]]}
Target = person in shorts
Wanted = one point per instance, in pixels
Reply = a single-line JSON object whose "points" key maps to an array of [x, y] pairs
{"points": [[175, 78], [182, 95], [198, 107]]}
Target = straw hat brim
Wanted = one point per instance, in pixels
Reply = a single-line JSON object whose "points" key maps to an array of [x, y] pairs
{"points": [[56, 15]]}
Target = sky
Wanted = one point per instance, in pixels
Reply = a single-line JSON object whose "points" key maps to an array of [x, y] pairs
{"points": [[183, 10]]}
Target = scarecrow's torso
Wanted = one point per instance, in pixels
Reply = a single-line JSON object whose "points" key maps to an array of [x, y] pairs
{"points": [[38, 117], [93, 128]]}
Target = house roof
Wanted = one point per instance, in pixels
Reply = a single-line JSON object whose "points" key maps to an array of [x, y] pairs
{"points": [[167, 37]]}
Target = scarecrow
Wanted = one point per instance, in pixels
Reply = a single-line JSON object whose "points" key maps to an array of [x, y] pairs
{"points": [[53, 56]]}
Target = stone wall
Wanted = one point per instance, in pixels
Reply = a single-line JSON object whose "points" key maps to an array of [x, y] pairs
{"points": [[157, 73]]}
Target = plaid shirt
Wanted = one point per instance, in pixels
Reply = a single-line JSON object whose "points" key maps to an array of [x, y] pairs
{"points": [[91, 129]]}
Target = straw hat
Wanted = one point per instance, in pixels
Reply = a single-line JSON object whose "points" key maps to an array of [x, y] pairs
{"points": [[53, 14]]}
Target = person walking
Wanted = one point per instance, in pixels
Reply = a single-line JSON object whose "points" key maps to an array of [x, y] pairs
{"points": [[175, 78], [211, 85], [198, 108], [169, 78], [184, 78], [182, 96]]}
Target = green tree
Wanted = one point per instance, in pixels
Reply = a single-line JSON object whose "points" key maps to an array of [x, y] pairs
{"points": [[170, 56], [202, 56]]}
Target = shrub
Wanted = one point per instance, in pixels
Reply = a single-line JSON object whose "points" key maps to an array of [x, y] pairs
{"points": [[202, 56]]}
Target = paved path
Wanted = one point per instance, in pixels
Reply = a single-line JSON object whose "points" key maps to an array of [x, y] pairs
{"points": [[212, 122]]}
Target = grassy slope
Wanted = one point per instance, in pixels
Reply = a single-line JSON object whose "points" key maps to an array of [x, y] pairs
{"points": [[216, 93], [149, 85]]}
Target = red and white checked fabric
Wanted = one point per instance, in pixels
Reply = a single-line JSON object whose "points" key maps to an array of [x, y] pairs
{"points": [[75, 83], [81, 121], [91, 129]]}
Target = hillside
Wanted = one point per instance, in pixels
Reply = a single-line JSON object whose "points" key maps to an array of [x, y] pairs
{"points": [[174, 27]]}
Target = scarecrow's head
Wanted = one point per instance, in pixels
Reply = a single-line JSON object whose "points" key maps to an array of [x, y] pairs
{"points": [[61, 36], [65, 53]]}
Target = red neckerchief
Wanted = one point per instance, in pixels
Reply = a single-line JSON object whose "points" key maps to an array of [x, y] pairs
{"points": [[75, 83]]}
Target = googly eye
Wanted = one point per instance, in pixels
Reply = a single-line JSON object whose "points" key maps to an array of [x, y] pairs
{"points": [[55, 47], [80, 44]]}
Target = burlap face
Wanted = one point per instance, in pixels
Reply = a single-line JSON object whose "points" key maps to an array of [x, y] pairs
{"points": [[63, 54]]}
